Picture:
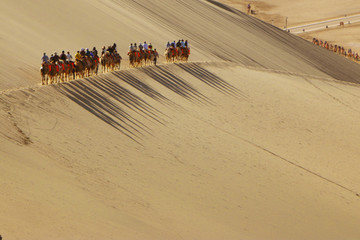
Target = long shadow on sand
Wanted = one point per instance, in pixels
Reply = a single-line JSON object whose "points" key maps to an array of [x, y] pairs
{"points": [[108, 101], [104, 97], [211, 79], [141, 86], [174, 83]]}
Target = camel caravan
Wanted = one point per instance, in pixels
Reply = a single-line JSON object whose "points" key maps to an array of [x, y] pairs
{"points": [[179, 51], [337, 49], [142, 55], [62, 68]]}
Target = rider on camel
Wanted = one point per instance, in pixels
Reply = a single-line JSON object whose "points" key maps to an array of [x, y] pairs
{"points": [[87, 53], [69, 57], [45, 58], [78, 56], [182, 44], [110, 49], [95, 52], [82, 53], [146, 46], [63, 56], [56, 57]]}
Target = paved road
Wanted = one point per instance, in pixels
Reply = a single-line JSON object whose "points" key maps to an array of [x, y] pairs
{"points": [[324, 24]]}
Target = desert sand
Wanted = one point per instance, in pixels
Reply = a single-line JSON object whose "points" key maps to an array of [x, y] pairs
{"points": [[255, 138], [302, 12]]}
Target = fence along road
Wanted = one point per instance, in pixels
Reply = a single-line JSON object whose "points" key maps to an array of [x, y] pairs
{"points": [[323, 24]]}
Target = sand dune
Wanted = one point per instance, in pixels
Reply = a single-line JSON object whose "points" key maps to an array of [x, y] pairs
{"points": [[255, 138]]}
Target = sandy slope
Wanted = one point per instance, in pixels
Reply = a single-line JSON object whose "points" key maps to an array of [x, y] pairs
{"points": [[298, 12], [307, 11], [263, 146]]}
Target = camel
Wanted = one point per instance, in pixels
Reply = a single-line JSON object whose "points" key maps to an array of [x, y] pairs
{"points": [[134, 58], [149, 57], [107, 62], [184, 54], [95, 66], [117, 60], [53, 73], [44, 71], [87, 62], [103, 63], [170, 54], [79, 69]]}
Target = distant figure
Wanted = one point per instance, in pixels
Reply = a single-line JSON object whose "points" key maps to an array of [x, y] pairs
{"points": [[249, 8], [156, 56]]}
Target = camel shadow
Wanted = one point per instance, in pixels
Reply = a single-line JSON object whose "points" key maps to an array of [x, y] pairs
{"points": [[211, 79], [175, 83], [113, 104]]}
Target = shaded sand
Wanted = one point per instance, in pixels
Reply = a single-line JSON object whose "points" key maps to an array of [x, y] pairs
{"points": [[254, 142]]}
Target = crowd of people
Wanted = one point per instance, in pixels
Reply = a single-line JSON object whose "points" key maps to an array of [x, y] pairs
{"points": [[337, 49]]}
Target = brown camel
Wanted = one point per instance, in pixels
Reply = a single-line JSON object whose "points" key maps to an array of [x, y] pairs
{"points": [[44, 71]]}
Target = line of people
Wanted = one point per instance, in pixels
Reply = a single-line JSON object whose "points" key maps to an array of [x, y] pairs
{"points": [[337, 49], [178, 44], [59, 68], [179, 50], [142, 53]]}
